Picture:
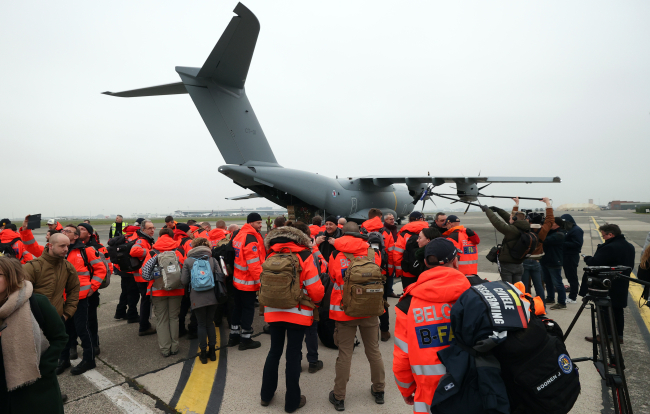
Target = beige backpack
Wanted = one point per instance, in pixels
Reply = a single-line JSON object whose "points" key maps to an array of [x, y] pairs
{"points": [[280, 281], [363, 287]]}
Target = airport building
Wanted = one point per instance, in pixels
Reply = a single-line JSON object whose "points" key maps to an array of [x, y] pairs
{"points": [[625, 205]]}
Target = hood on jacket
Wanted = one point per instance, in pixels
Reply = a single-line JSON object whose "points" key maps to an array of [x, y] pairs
{"points": [[144, 236], [569, 218], [349, 243], [76, 245], [131, 229], [282, 235], [217, 234], [439, 284], [414, 226], [165, 243], [522, 225], [179, 234], [8, 235], [199, 252], [374, 224], [453, 229]]}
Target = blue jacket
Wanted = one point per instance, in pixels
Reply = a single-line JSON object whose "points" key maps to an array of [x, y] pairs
{"points": [[554, 244], [574, 237]]}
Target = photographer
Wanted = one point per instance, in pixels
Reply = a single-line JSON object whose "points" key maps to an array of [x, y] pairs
{"points": [[616, 251], [331, 231]]}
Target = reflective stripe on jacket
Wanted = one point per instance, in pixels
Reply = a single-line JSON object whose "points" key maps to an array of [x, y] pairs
{"points": [[468, 260], [249, 257], [87, 283], [30, 242], [422, 328], [337, 266], [20, 251], [139, 250], [400, 244]]}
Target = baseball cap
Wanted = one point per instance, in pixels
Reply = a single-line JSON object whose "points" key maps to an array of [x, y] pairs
{"points": [[415, 215], [452, 219], [4, 222], [443, 249], [51, 221]]}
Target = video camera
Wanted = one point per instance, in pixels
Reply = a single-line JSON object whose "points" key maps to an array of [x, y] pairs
{"points": [[533, 216], [599, 278]]}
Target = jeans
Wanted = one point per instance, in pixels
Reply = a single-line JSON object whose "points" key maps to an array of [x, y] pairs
{"points": [[389, 283], [553, 280], [78, 326], [128, 304], [294, 334], [571, 263], [311, 340], [533, 270], [205, 328], [145, 306], [243, 313], [511, 272]]}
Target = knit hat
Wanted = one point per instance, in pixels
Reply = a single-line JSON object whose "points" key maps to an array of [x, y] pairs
{"points": [[443, 249], [331, 219], [88, 227], [253, 217], [183, 227]]}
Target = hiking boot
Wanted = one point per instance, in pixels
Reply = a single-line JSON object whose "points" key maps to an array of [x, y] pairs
{"points": [[385, 336], [339, 405], [119, 317], [591, 339], [203, 356], [73, 352], [149, 331], [96, 350], [247, 343], [315, 366], [558, 306], [265, 403], [394, 295], [379, 396], [212, 353], [135, 319], [63, 365], [234, 340], [549, 300], [82, 367], [303, 401]]}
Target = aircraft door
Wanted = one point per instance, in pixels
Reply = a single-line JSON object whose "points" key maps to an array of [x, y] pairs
{"points": [[354, 206]]}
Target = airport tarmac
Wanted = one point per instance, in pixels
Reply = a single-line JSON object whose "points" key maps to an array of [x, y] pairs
{"points": [[133, 377]]}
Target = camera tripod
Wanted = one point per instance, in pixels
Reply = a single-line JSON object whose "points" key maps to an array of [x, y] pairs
{"points": [[607, 358]]}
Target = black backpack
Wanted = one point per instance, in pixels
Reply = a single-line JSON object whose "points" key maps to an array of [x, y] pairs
{"points": [[525, 246], [537, 370], [409, 262], [119, 249], [377, 238], [6, 249]]}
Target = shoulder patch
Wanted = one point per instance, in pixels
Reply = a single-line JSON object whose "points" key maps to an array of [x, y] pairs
{"points": [[250, 239], [304, 255], [405, 304]]}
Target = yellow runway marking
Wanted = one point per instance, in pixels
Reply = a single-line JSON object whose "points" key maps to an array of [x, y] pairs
{"points": [[635, 290], [198, 389]]}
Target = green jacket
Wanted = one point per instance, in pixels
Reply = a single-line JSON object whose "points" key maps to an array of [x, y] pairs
{"points": [[511, 233], [44, 395]]}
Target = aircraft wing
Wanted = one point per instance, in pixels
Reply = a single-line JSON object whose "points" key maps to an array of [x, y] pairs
{"points": [[244, 197], [383, 181]]}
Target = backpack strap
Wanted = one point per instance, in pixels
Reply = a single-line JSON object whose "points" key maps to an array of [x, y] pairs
{"points": [[371, 254], [84, 256], [36, 311]]}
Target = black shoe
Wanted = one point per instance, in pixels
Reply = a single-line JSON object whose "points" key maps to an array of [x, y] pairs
{"points": [[64, 398], [248, 343], [182, 332], [548, 300], [265, 403], [212, 353], [73, 352], [96, 350], [315, 366], [266, 329], [119, 317], [149, 331], [339, 405], [203, 356], [82, 367], [234, 340], [135, 319], [63, 365], [303, 401], [379, 396], [192, 335]]}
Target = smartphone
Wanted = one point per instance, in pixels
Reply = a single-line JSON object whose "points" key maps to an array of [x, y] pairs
{"points": [[583, 255], [34, 221]]}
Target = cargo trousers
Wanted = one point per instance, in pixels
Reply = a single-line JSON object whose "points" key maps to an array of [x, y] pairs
{"points": [[344, 334], [167, 309]]}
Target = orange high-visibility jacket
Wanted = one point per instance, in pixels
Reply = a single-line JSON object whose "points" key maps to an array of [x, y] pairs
{"points": [[403, 235], [215, 235], [87, 283], [375, 224], [164, 244], [337, 266], [309, 282], [422, 328], [20, 250], [139, 250], [30, 242], [314, 229], [468, 260], [249, 257]]}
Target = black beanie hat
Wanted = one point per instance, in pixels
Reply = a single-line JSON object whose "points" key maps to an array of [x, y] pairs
{"points": [[88, 227], [331, 219], [183, 227], [253, 217]]}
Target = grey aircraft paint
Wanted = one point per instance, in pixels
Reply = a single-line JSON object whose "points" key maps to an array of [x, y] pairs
{"points": [[217, 89]]}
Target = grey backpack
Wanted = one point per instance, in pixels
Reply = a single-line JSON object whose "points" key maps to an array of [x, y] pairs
{"points": [[170, 271]]}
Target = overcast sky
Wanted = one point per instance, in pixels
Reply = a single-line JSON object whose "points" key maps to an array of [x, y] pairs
{"points": [[349, 88]]}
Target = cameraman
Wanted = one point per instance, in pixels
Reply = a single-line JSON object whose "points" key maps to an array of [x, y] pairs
{"points": [[616, 251], [332, 231]]}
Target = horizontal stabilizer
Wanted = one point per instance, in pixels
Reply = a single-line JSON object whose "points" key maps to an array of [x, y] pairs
{"points": [[168, 89], [244, 197]]}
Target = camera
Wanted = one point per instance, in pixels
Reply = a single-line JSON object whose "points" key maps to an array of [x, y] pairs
{"points": [[599, 278]]}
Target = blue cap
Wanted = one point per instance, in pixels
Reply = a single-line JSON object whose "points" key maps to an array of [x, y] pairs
{"points": [[415, 215], [443, 249]]}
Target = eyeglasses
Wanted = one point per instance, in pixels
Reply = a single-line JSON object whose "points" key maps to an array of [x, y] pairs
{"points": [[67, 231]]}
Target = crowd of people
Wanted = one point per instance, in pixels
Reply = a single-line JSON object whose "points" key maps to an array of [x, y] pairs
{"points": [[215, 273]]}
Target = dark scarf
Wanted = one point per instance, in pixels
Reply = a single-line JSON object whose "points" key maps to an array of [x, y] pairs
{"points": [[392, 229]]}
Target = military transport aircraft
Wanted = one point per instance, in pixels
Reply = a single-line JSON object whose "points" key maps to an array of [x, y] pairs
{"points": [[217, 89]]}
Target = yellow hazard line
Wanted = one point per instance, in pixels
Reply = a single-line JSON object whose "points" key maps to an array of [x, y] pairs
{"points": [[198, 388], [635, 290]]}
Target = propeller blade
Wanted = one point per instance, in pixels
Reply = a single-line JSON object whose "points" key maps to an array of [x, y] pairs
{"points": [[483, 187], [454, 202], [466, 209]]}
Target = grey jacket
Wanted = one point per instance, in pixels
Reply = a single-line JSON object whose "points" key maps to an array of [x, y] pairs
{"points": [[207, 297]]}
